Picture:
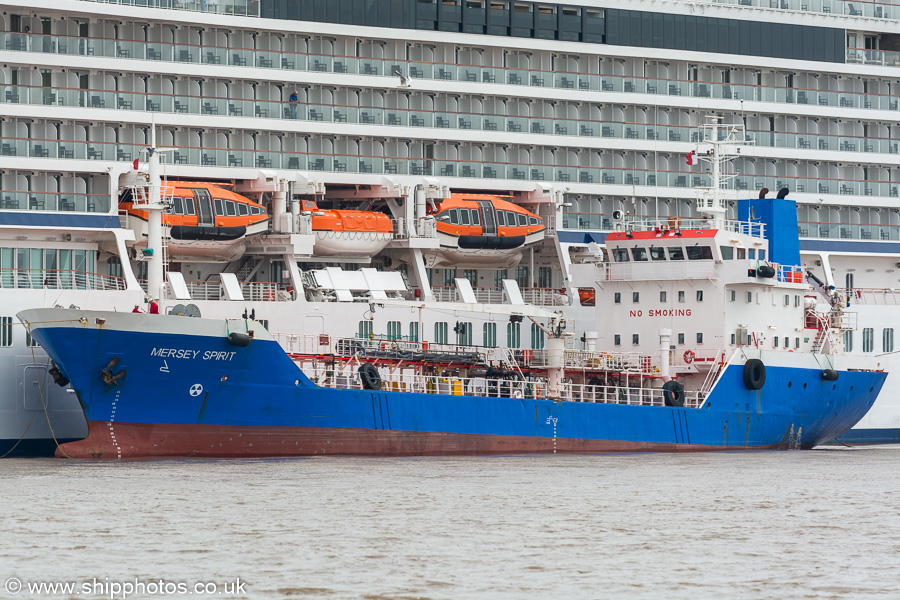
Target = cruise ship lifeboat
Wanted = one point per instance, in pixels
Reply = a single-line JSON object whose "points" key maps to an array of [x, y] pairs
{"points": [[348, 232], [204, 221], [476, 230]]}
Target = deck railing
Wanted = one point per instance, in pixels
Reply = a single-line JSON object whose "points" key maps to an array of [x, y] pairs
{"points": [[58, 279]]}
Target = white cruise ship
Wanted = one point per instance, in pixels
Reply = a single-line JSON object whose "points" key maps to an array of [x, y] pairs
{"points": [[576, 113]]}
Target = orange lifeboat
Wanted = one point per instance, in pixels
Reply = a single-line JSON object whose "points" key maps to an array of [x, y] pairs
{"points": [[204, 220], [348, 232], [483, 230]]}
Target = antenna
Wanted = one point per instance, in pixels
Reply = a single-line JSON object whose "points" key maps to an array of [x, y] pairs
{"points": [[724, 143]]}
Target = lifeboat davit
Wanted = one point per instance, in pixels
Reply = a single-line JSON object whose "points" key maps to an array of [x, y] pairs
{"points": [[478, 230], [348, 232], [204, 221]]}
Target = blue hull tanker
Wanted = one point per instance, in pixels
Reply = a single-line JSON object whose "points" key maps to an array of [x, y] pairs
{"points": [[158, 386]]}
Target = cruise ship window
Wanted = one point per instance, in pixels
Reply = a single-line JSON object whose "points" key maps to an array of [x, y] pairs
{"points": [[699, 295], [662, 296], [699, 338], [635, 296], [617, 340], [681, 295], [657, 253], [230, 209], [751, 253], [699, 253], [676, 253], [727, 252], [741, 253], [635, 338], [639, 253], [868, 335], [464, 216], [617, 297], [681, 338], [6, 331]]}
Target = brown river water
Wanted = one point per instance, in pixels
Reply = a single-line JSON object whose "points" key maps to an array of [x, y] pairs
{"points": [[802, 524]]}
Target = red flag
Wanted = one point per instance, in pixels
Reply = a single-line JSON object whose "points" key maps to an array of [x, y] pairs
{"points": [[689, 157], [135, 164]]}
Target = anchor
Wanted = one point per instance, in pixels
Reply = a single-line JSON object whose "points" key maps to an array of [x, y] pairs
{"points": [[107, 375]]}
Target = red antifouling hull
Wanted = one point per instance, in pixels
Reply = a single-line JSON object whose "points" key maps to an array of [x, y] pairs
{"points": [[111, 441]]}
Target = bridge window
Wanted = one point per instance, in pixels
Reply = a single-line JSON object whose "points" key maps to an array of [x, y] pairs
{"points": [[762, 254], [741, 253], [727, 252], [699, 253], [490, 335], [657, 253], [639, 253], [676, 253], [887, 340], [868, 339], [751, 253], [620, 255]]}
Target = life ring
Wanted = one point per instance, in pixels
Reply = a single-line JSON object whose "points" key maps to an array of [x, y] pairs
{"points": [[689, 357], [673, 393], [754, 374], [369, 377]]}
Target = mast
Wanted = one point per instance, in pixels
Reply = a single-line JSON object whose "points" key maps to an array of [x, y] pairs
{"points": [[154, 206], [724, 143]]}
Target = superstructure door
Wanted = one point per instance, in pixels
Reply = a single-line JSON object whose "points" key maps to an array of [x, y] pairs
{"points": [[204, 207], [488, 222]]}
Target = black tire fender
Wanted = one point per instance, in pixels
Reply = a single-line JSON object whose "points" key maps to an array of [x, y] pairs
{"points": [[673, 393], [754, 374], [369, 377], [830, 375]]}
